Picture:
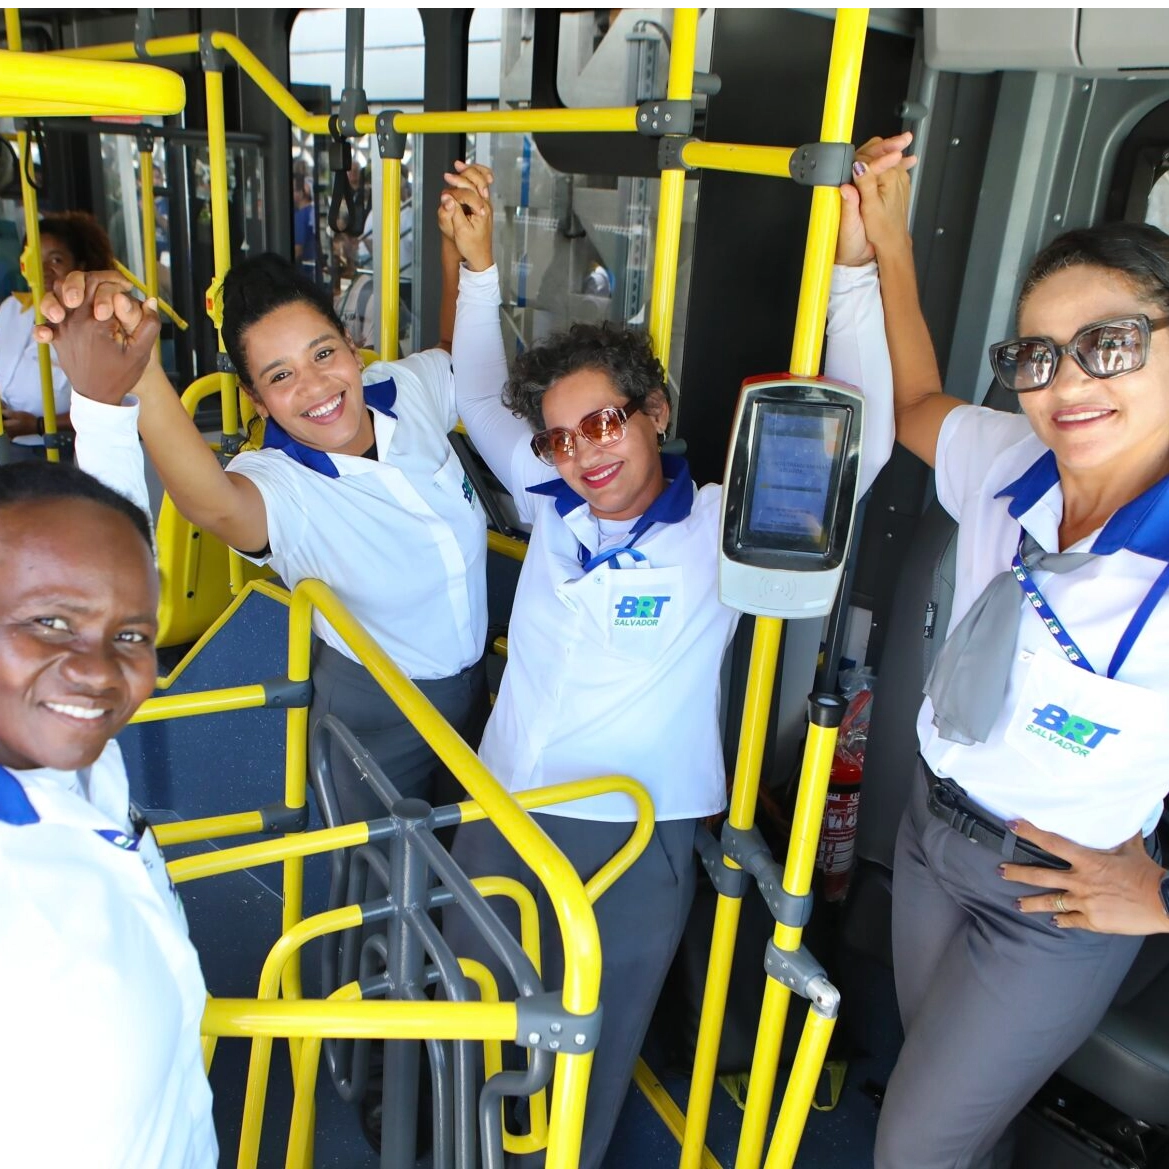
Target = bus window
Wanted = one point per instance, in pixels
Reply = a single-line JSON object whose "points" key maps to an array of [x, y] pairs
{"points": [[345, 261]]}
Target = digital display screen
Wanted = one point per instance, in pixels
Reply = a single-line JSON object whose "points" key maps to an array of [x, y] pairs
{"points": [[796, 456]]}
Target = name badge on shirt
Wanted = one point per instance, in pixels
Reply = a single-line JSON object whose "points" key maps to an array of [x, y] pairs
{"points": [[643, 609]]}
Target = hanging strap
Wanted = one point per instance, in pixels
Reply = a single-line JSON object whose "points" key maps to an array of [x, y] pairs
{"points": [[590, 560], [1139, 620]]}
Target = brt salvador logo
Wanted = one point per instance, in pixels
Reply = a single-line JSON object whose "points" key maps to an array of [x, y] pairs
{"points": [[1072, 732], [646, 611]]}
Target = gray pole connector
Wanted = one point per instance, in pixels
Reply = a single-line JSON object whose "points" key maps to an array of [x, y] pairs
{"points": [[822, 164]]}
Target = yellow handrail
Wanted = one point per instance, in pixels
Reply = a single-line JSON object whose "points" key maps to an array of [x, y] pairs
{"points": [[143, 286]]}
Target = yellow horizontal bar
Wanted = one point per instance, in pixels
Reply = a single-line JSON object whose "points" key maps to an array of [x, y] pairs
{"points": [[576, 121], [208, 828], [266, 852], [202, 702], [34, 85], [506, 546], [266, 80], [499, 646], [372, 1019], [747, 160], [163, 306], [125, 51]]}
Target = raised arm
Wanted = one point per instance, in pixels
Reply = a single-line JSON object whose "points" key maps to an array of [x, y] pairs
{"points": [[919, 405], [465, 219], [105, 343]]}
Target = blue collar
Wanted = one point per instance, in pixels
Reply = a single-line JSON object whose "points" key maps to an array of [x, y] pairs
{"points": [[674, 503], [1141, 526], [380, 396], [15, 806]]}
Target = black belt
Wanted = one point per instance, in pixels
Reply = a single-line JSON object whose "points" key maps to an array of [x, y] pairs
{"points": [[950, 804]]}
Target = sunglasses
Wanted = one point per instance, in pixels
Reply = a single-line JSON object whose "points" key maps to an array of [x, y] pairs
{"points": [[601, 428], [1102, 350]]}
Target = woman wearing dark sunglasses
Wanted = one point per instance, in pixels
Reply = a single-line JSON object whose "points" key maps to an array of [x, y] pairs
{"points": [[1042, 733], [617, 634]]}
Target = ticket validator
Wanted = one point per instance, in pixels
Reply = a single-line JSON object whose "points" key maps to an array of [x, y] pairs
{"points": [[789, 495]]}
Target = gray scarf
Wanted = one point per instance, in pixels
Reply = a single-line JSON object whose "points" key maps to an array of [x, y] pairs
{"points": [[970, 674]]}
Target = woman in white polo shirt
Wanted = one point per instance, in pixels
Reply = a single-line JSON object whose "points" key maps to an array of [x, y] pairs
{"points": [[617, 635], [1042, 733], [99, 980], [356, 484]]}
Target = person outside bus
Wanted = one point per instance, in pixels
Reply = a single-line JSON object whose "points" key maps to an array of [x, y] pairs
{"points": [[103, 991], [586, 692], [1043, 716]]}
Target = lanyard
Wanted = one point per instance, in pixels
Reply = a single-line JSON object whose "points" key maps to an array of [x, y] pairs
{"points": [[589, 562], [16, 808], [1064, 639]]}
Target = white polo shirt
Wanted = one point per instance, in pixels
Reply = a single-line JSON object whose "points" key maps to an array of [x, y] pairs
{"points": [[1072, 751], [402, 540], [616, 670], [100, 979], [20, 370]]}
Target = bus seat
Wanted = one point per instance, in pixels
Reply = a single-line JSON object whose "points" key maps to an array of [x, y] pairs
{"points": [[1125, 1062]]}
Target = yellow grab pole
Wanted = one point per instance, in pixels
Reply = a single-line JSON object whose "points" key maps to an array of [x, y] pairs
{"points": [[668, 235], [149, 226], [844, 67], [163, 307], [34, 272], [752, 739], [747, 160], [620, 119], [390, 254], [801, 1088], [220, 233], [167, 706]]}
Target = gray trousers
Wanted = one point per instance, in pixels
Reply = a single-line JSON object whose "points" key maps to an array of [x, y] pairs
{"points": [[992, 1000], [345, 688], [640, 920]]}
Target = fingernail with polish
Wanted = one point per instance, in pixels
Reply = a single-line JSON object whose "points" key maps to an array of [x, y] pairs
{"points": [[859, 168]]}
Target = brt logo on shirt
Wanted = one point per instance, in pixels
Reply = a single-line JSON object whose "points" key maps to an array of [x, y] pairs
{"points": [[645, 611], [1072, 732]]}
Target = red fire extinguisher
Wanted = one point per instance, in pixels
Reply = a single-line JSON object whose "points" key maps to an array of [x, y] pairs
{"points": [[837, 850]]}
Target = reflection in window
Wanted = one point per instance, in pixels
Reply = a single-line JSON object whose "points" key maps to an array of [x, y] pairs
{"points": [[1157, 211]]}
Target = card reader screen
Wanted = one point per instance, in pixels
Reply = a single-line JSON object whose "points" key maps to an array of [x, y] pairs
{"points": [[794, 476]]}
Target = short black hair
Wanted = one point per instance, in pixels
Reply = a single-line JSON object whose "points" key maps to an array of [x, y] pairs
{"points": [[624, 355], [1137, 251], [33, 482], [255, 287]]}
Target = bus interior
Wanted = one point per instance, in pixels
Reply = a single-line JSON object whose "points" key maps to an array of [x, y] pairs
{"points": [[1026, 122]]}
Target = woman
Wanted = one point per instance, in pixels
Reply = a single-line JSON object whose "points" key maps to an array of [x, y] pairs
{"points": [[356, 484], [71, 242], [98, 974], [1044, 713], [586, 693]]}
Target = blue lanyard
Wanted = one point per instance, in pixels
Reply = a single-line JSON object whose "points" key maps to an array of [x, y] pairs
{"points": [[16, 809], [590, 561], [1064, 639]]}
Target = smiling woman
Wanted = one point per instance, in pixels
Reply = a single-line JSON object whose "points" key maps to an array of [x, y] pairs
{"points": [[356, 484], [93, 935]]}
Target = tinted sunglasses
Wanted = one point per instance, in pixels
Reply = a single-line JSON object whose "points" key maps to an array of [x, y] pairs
{"points": [[1102, 350], [602, 428]]}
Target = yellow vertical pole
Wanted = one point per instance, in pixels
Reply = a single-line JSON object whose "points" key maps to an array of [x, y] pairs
{"points": [[33, 271], [844, 68], [149, 225], [221, 244], [748, 764], [680, 87], [390, 257]]}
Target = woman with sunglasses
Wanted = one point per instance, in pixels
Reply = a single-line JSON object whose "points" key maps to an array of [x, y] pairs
{"points": [[617, 635], [97, 974], [1042, 732]]}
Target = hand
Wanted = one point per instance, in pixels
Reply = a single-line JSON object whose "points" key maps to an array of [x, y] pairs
{"points": [[1112, 892], [18, 423], [465, 216], [103, 337], [875, 205]]}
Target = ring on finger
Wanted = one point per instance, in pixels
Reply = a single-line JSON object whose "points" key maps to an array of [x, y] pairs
{"points": [[1060, 907]]}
